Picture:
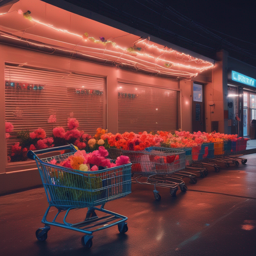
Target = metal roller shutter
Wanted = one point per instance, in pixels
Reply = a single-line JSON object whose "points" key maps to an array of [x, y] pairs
{"points": [[144, 108], [30, 109]]}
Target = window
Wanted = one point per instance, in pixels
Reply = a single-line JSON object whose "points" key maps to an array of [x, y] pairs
{"points": [[197, 92]]}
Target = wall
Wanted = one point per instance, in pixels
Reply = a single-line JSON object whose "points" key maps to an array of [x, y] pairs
{"points": [[25, 179], [215, 94]]}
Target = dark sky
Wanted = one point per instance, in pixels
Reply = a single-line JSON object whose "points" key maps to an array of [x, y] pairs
{"points": [[235, 18]]}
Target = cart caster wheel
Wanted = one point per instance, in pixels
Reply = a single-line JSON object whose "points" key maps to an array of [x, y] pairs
{"points": [[183, 188], [193, 180], [217, 169], [123, 227], [244, 161], [87, 241], [41, 234], [157, 196], [91, 213], [236, 163], [202, 174], [227, 165], [173, 192]]}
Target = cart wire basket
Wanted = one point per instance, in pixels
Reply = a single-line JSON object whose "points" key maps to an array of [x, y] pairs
{"points": [[68, 189], [154, 160]]}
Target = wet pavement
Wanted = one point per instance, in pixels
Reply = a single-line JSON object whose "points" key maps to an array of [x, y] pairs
{"points": [[216, 216]]}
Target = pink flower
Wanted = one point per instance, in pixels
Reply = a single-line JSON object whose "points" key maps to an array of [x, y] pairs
{"points": [[66, 164], [112, 165], [53, 161], [32, 135], [58, 132], [52, 119], [7, 135], [40, 133], [121, 160], [72, 134], [94, 168], [16, 149], [80, 144], [72, 123], [103, 152], [8, 127], [50, 140], [32, 147], [41, 145]]}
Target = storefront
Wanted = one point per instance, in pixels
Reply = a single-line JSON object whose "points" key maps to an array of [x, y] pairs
{"points": [[53, 72], [241, 103]]}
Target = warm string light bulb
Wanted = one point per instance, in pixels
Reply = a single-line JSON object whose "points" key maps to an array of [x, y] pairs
{"points": [[168, 64]]}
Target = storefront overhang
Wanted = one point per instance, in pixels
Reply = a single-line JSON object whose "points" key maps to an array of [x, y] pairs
{"points": [[43, 27]]}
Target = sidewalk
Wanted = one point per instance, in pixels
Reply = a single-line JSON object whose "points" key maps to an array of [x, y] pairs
{"points": [[215, 217]]}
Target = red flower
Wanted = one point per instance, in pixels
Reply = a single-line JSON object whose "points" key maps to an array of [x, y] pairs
{"points": [[40, 133], [41, 145], [8, 127], [32, 147], [72, 123], [58, 132], [32, 135], [72, 134]]}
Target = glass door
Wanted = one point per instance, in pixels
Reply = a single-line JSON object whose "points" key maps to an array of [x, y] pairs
{"points": [[245, 115]]}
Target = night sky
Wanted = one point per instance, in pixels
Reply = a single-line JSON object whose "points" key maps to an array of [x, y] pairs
{"points": [[232, 17]]}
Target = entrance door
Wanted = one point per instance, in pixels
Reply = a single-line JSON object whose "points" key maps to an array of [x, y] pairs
{"points": [[245, 115], [198, 123]]}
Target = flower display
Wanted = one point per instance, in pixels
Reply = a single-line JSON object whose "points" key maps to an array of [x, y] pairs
{"points": [[92, 161], [58, 132], [8, 129]]}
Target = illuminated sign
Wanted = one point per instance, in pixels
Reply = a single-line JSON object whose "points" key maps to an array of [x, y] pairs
{"points": [[240, 78]]}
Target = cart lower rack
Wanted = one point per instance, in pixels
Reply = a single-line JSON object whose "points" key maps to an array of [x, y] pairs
{"points": [[68, 189]]}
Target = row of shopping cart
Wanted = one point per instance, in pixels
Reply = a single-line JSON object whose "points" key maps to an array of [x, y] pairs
{"points": [[68, 189]]}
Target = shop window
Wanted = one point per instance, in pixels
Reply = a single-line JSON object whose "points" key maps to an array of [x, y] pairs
{"points": [[143, 108], [45, 99], [197, 92]]}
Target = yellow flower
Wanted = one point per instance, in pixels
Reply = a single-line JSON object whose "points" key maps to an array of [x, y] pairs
{"points": [[76, 161], [83, 167], [101, 142], [91, 143]]}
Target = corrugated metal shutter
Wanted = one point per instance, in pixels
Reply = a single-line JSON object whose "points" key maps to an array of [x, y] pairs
{"points": [[30, 109], [144, 108]]}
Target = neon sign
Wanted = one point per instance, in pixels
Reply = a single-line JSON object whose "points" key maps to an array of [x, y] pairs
{"points": [[240, 78]]}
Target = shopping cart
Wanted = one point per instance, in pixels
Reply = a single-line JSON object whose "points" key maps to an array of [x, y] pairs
{"points": [[68, 189], [156, 166]]}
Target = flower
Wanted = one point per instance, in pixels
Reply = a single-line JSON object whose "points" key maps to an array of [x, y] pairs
{"points": [[32, 147], [40, 144], [121, 160], [83, 167], [53, 161], [16, 149], [58, 132], [8, 127], [101, 142], [72, 123], [91, 143], [32, 135], [52, 119], [103, 152], [7, 135], [80, 144], [40, 133], [76, 161], [95, 168], [72, 134]]}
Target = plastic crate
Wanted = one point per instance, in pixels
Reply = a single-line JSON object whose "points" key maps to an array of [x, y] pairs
{"points": [[241, 144], [233, 146], [218, 148], [227, 146], [188, 153], [196, 153], [208, 149]]}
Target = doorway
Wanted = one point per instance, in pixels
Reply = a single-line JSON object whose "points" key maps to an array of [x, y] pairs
{"points": [[198, 122]]}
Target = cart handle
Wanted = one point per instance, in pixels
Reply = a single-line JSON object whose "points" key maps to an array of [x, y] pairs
{"points": [[33, 154], [149, 149]]}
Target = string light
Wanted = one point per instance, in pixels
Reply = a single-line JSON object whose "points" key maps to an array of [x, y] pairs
{"points": [[167, 66]]}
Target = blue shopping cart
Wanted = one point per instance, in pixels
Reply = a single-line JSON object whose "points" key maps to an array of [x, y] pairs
{"points": [[68, 189]]}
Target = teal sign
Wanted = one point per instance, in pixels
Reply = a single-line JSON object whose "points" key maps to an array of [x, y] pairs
{"points": [[240, 78]]}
